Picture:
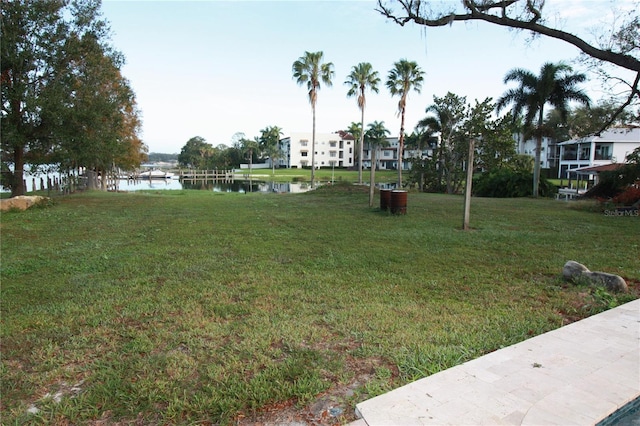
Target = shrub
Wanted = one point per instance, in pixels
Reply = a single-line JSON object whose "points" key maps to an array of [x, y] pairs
{"points": [[506, 183], [628, 197]]}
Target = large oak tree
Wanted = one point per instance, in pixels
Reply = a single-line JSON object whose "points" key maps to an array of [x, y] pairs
{"points": [[64, 101]]}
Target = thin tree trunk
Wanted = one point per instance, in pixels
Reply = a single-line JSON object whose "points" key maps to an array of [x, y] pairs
{"points": [[361, 145], [467, 188], [372, 184], [440, 171], [17, 186], [400, 149], [103, 180], [313, 147], [536, 166]]}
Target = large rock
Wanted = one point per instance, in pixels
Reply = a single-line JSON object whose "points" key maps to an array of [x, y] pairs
{"points": [[21, 202], [572, 270], [580, 274], [612, 282]]}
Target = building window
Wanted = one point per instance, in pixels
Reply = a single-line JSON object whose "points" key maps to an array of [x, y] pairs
{"points": [[303, 142], [585, 152], [304, 163], [333, 144], [604, 151], [304, 153], [332, 153], [570, 152]]}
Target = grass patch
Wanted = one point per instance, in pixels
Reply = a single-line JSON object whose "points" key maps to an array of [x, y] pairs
{"points": [[197, 307]]}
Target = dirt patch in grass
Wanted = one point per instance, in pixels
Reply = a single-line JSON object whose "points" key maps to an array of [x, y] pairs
{"points": [[589, 301], [333, 407]]}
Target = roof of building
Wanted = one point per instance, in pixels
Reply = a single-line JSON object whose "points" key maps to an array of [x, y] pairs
{"points": [[593, 170], [345, 135], [614, 134]]}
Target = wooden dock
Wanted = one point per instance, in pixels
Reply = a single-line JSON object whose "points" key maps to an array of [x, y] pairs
{"points": [[206, 175]]}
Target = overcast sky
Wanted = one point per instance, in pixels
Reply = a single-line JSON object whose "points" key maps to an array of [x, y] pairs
{"points": [[214, 68]]}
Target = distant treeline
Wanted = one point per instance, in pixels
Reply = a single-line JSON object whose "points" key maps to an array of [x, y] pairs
{"points": [[155, 157]]}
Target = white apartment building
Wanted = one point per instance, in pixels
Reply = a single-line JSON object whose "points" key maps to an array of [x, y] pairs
{"points": [[387, 157], [332, 149], [338, 149], [548, 153], [610, 146]]}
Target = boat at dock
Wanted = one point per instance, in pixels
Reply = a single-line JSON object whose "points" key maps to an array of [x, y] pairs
{"points": [[154, 174]]}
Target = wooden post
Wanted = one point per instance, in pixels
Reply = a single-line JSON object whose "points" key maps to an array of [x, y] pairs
{"points": [[467, 189]]}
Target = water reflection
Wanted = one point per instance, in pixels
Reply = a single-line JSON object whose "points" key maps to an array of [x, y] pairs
{"points": [[241, 186]]}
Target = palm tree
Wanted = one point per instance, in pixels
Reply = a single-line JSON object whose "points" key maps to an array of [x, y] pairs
{"points": [[556, 85], [355, 130], [311, 70], [447, 116], [362, 76], [269, 143], [249, 147], [405, 76], [376, 136]]}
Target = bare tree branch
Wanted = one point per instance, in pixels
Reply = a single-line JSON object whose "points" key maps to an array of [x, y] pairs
{"points": [[480, 10], [634, 92]]}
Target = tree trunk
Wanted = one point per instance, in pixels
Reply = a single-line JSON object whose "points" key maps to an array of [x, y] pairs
{"points": [[313, 146], [440, 171], [467, 188], [91, 179], [400, 149], [361, 145], [372, 184], [103, 180], [17, 186], [536, 165]]}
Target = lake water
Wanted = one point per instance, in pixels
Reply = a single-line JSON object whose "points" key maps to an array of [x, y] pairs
{"points": [[241, 186]]}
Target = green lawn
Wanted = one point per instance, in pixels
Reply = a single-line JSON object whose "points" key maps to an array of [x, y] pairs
{"points": [[193, 307]]}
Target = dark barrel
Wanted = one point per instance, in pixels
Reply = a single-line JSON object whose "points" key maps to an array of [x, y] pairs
{"points": [[385, 199], [398, 204]]}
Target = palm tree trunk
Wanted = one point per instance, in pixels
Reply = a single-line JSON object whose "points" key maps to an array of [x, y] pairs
{"points": [[361, 146], [372, 184], [536, 165], [400, 149], [313, 146]]}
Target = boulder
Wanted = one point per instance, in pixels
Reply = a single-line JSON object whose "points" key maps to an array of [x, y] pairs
{"points": [[580, 274], [21, 202], [611, 282], [573, 270]]}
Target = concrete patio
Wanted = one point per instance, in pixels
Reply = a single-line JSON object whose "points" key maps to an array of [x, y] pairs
{"points": [[576, 375]]}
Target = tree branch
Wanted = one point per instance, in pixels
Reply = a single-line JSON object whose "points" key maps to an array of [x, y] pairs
{"points": [[478, 12], [634, 92]]}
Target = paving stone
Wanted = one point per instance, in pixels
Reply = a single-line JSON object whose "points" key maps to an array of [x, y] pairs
{"points": [[575, 375]]}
